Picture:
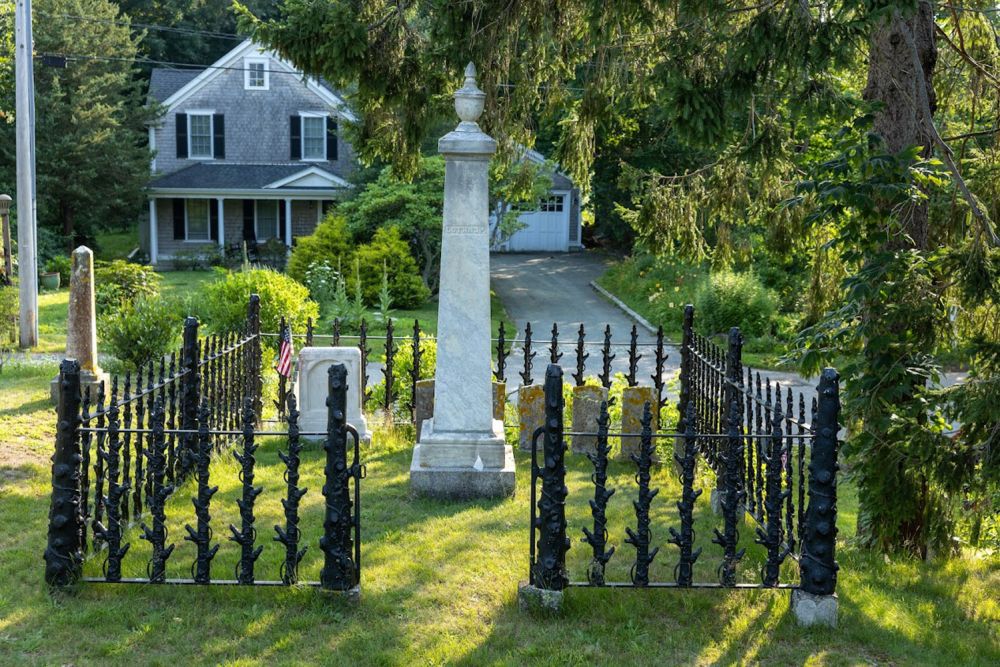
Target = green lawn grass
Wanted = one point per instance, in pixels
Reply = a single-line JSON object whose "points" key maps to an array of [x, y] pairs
{"points": [[440, 578], [116, 245]]}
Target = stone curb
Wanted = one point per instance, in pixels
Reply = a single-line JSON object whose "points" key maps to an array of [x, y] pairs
{"points": [[642, 321]]}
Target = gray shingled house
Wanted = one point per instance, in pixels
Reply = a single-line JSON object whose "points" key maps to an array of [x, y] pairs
{"points": [[249, 149]]}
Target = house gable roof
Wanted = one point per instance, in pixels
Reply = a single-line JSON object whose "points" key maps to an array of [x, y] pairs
{"points": [[232, 60], [221, 177], [164, 82]]}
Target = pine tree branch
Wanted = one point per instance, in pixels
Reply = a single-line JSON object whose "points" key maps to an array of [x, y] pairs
{"points": [[946, 152]]}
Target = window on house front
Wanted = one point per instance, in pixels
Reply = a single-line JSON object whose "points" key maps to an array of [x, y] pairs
{"points": [[197, 220], [255, 74], [313, 137], [200, 135], [266, 220], [551, 204]]}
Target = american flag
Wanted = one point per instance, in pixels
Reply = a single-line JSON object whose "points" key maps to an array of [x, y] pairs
{"points": [[284, 366]]}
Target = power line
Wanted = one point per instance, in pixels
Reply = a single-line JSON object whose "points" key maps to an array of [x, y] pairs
{"points": [[148, 26]]}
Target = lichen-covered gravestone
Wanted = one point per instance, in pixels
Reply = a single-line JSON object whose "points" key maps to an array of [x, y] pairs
{"points": [[530, 413], [634, 400], [586, 409], [81, 324]]}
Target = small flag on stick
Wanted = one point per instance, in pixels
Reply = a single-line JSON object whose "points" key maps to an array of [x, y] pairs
{"points": [[284, 366]]}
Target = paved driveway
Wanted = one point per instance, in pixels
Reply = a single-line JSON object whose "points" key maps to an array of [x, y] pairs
{"points": [[546, 288]]}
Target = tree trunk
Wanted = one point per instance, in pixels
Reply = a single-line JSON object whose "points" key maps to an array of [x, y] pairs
{"points": [[893, 80]]}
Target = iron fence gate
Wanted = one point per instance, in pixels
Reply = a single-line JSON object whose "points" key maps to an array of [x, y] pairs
{"points": [[754, 443], [140, 456]]}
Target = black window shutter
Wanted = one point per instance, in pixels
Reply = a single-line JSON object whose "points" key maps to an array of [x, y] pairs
{"points": [[281, 221], [331, 139], [296, 137], [182, 135], [213, 219], [249, 232], [178, 219], [219, 136]]}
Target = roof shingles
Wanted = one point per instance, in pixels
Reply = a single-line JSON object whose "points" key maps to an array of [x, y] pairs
{"points": [[227, 176]]}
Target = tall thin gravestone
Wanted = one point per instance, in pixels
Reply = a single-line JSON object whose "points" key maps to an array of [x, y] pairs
{"points": [[81, 321], [462, 452]]}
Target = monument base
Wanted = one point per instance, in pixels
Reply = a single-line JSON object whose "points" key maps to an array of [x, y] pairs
{"points": [[462, 465], [90, 379]]}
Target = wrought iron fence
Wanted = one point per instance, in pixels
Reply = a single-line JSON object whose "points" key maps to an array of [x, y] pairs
{"points": [[70, 523], [755, 444], [393, 341]]}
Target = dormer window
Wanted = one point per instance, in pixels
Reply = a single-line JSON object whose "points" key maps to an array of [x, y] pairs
{"points": [[255, 74]]}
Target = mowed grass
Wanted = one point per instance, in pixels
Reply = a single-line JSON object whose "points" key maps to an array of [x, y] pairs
{"points": [[440, 578]]}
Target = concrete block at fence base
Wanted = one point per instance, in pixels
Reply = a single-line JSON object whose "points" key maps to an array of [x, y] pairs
{"points": [[530, 413], [812, 609], [462, 465], [633, 401], [534, 600], [351, 595], [423, 406], [311, 389], [586, 409]]}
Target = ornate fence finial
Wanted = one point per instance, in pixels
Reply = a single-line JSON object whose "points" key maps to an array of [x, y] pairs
{"points": [[581, 357], [606, 358], [598, 539], [502, 353], [642, 536], [157, 535], [685, 538], [202, 536], [290, 535], [247, 534]]}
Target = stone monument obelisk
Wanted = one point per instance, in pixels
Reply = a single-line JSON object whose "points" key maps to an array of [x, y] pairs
{"points": [[81, 324], [462, 452]]}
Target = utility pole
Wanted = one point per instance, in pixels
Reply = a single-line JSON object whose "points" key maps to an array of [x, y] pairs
{"points": [[27, 236]]}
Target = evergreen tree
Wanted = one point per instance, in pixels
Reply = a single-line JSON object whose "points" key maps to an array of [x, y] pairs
{"points": [[90, 134]]}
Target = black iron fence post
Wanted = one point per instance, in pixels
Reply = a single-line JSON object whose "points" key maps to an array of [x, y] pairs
{"points": [[64, 552], [502, 353], [687, 337], [818, 565], [340, 572], [190, 396], [550, 567], [255, 382], [598, 539]]}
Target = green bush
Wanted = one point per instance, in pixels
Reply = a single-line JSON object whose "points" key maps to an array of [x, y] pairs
{"points": [[735, 300], [141, 330], [388, 249], [120, 282], [402, 366], [62, 265], [331, 242], [225, 301]]}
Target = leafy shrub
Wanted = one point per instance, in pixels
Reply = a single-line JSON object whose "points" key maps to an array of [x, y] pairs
{"points": [[388, 249], [331, 242], [329, 286], [198, 257], [120, 282], [141, 330], [62, 265], [8, 322], [735, 300], [273, 253], [225, 302], [402, 366]]}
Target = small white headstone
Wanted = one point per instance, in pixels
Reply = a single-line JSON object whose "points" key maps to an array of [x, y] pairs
{"points": [[311, 388]]}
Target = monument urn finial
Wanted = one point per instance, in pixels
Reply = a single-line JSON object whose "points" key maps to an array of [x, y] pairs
{"points": [[469, 99]]}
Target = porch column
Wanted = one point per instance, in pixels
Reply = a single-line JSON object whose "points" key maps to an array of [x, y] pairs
{"points": [[222, 222], [154, 233], [288, 222]]}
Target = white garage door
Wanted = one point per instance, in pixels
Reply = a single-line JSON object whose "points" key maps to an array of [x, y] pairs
{"points": [[547, 228]]}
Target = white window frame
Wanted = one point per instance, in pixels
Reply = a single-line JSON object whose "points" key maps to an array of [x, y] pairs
{"points": [[277, 219], [302, 148], [211, 134], [208, 221], [552, 204], [256, 60]]}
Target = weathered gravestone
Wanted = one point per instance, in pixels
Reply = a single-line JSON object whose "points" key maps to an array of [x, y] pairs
{"points": [[530, 414], [423, 406], [311, 388], [634, 400], [586, 409], [81, 324], [462, 452]]}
